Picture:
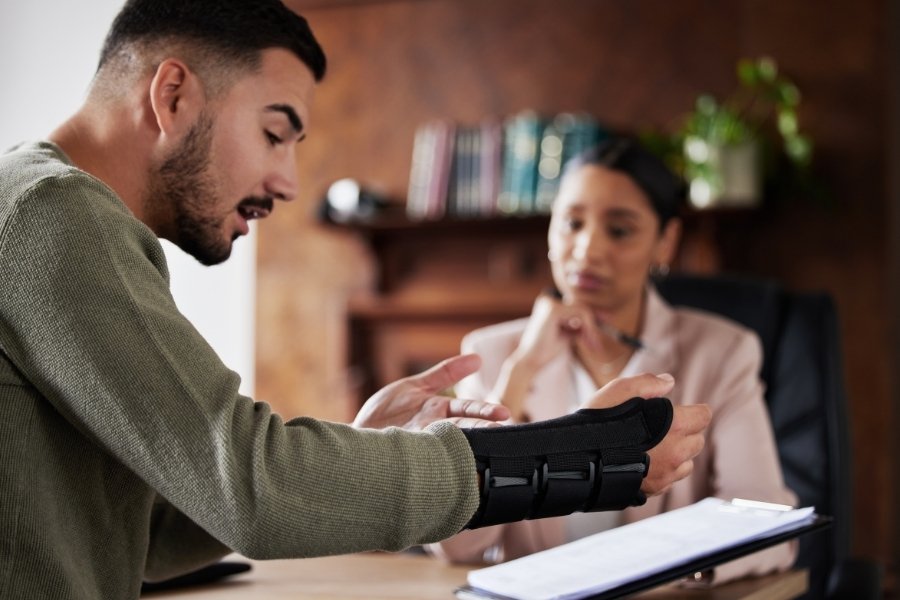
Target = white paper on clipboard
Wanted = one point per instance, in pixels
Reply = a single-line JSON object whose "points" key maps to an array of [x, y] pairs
{"points": [[606, 560]]}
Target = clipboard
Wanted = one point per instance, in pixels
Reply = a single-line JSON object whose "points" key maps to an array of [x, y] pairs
{"points": [[674, 573], [710, 561]]}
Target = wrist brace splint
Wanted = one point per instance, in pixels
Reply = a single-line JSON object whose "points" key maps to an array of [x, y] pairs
{"points": [[590, 460]]}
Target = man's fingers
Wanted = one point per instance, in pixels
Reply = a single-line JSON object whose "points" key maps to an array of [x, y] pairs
{"points": [[670, 453], [471, 422], [691, 419], [660, 479], [694, 444], [619, 390], [654, 486], [446, 373], [673, 459], [460, 407]]}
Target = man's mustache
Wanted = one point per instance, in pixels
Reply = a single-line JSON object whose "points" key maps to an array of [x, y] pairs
{"points": [[265, 203]]}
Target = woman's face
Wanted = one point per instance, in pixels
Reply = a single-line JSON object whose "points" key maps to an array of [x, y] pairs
{"points": [[604, 238]]}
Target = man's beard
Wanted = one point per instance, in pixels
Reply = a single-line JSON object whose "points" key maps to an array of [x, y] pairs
{"points": [[183, 184]]}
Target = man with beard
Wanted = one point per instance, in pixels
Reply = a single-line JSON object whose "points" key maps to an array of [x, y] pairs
{"points": [[126, 452]]}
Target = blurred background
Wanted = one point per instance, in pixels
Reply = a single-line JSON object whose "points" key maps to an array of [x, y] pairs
{"points": [[339, 307], [315, 315]]}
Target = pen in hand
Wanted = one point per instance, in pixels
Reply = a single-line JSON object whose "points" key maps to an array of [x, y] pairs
{"points": [[620, 336], [610, 330]]}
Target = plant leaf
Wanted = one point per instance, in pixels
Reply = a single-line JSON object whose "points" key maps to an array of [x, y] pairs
{"points": [[768, 69]]}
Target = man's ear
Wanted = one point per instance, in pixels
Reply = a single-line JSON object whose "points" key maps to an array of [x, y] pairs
{"points": [[176, 97]]}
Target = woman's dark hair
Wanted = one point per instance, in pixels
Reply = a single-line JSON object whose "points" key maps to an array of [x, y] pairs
{"points": [[665, 190], [235, 31]]}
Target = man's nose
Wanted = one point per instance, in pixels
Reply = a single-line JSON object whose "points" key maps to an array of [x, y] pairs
{"points": [[283, 183]]}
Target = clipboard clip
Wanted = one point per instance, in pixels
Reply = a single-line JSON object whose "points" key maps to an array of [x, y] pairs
{"points": [[740, 504]]}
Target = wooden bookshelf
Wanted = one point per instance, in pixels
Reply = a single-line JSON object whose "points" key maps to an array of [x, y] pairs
{"points": [[437, 281], [646, 62]]}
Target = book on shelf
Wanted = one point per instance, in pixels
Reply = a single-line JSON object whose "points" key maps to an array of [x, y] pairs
{"points": [[455, 174], [420, 173], [565, 136], [467, 169], [493, 168], [473, 188], [491, 157], [644, 554], [522, 136], [430, 167]]}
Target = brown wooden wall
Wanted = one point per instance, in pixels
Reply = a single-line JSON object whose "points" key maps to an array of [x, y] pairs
{"points": [[632, 64]]}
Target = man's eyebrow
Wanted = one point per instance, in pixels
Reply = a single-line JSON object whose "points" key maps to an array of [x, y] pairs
{"points": [[290, 113]]}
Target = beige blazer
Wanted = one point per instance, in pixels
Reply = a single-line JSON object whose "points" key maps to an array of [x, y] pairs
{"points": [[714, 361]]}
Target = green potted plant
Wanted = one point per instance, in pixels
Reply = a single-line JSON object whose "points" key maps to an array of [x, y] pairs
{"points": [[721, 147]]}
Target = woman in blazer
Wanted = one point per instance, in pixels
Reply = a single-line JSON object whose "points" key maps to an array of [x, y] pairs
{"points": [[613, 225]]}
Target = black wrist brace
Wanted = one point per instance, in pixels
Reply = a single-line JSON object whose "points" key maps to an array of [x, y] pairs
{"points": [[590, 460]]}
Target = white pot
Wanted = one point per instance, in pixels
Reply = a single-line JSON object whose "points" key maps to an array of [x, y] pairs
{"points": [[725, 175]]}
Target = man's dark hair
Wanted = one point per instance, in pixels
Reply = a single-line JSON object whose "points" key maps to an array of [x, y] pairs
{"points": [[233, 31], [665, 190]]}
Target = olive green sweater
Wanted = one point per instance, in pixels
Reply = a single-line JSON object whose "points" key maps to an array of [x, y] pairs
{"points": [[126, 452]]}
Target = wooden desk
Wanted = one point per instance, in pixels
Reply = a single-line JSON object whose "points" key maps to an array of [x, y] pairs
{"points": [[379, 576]]}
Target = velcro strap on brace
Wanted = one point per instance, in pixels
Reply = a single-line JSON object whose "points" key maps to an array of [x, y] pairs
{"points": [[590, 460]]}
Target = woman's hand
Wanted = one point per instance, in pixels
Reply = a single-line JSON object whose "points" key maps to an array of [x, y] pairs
{"points": [[552, 327]]}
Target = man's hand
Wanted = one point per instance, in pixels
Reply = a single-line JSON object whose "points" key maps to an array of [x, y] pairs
{"points": [[673, 458], [413, 402]]}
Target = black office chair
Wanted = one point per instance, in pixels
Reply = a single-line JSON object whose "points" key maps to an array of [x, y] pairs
{"points": [[807, 402]]}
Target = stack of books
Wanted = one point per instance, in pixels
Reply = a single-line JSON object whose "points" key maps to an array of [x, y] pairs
{"points": [[494, 168]]}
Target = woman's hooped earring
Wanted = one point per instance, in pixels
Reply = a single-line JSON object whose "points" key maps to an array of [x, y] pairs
{"points": [[659, 270]]}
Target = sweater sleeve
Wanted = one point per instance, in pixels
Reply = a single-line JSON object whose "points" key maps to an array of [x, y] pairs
{"points": [[471, 546], [91, 322], [177, 545]]}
